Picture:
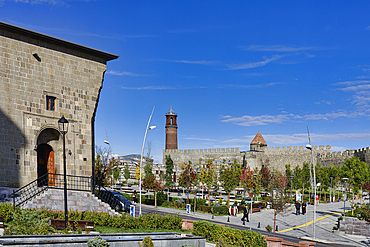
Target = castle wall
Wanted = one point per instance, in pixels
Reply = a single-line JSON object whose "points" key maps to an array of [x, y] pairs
{"points": [[32, 67], [276, 157], [195, 155]]}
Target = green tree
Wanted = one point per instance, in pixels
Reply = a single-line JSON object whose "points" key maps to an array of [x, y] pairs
{"points": [[229, 178], [187, 177], [356, 171], [101, 171], [126, 172], [116, 173], [168, 177], [150, 183], [207, 177]]}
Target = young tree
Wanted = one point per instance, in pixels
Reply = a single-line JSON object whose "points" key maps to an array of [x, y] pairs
{"points": [[281, 203], [187, 177], [116, 173], [265, 177], [126, 172], [207, 177], [168, 177], [150, 183], [247, 180], [229, 178]]}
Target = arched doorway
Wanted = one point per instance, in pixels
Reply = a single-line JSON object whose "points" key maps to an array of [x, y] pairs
{"points": [[45, 163], [45, 155]]}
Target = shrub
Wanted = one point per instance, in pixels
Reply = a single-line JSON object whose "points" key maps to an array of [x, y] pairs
{"points": [[6, 210], [97, 241], [147, 242], [213, 232], [268, 228], [161, 197], [220, 210], [29, 222]]}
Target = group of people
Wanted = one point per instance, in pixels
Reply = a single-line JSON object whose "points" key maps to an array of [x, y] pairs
{"points": [[298, 208]]}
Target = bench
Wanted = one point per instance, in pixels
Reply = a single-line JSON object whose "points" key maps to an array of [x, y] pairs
{"points": [[84, 225], [188, 224], [256, 210]]}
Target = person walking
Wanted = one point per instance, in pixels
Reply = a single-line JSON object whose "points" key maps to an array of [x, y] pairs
{"points": [[245, 214], [304, 205], [135, 196], [297, 207]]}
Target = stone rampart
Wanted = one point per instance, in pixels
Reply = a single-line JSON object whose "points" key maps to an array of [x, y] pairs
{"points": [[195, 155], [276, 157]]}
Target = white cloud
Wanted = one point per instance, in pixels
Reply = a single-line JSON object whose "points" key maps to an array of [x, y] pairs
{"points": [[253, 64], [123, 73], [256, 120], [203, 62], [278, 48], [250, 86], [53, 2], [162, 88], [247, 120]]}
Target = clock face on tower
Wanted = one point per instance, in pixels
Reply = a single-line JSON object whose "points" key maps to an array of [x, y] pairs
{"points": [[171, 129]]}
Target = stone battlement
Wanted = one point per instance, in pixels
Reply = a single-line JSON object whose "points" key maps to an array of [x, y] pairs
{"points": [[298, 149], [205, 151]]}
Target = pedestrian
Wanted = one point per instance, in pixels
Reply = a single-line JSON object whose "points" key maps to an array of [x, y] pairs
{"points": [[245, 214], [304, 205], [135, 196], [297, 207]]}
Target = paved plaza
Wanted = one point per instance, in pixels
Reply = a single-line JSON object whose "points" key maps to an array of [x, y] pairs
{"points": [[292, 224]]}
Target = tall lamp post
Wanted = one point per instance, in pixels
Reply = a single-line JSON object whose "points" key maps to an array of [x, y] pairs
{"points": [[331, 188], [63, 128], [142, 152], [314, 182], [291, 187], [345, 197]]}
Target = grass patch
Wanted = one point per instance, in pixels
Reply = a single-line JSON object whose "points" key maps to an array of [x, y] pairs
{"points": [[109, 229]]}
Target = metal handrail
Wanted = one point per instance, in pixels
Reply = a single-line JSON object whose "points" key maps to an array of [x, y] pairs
{"points": [[50, 181]]}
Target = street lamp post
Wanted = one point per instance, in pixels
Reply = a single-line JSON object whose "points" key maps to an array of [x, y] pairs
{"points": [[291, 188], [345, 196], [142, 153], [63, 128], [331, 188], [314, 183]]}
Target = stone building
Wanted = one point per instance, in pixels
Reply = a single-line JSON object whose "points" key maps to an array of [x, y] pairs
{"points": [[259, 155], [43, 78]]}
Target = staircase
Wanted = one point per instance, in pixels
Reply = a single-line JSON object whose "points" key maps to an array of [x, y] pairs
{"points": [[53, 199], [48, 192]]}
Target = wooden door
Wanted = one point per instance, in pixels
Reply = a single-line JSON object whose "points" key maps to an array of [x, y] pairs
{"points": [[51, 169]]}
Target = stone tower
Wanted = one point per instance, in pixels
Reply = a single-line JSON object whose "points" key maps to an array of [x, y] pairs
{"points": [[258, 143], [171, 129]]}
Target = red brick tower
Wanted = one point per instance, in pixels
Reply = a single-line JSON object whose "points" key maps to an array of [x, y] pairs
{"points": [[171, 129]]}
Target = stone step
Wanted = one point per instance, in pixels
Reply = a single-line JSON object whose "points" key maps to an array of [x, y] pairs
{"points": [[76, 200]]}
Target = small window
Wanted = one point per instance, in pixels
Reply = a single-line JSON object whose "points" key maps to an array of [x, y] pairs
{"points": [[50, 103]]}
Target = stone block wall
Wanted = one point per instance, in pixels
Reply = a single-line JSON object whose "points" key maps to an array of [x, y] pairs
{"points": [[195, 155], [32, 67], [354, 226]]}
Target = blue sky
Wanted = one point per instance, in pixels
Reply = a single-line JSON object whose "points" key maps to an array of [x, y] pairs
{"points": [[228, 68]]}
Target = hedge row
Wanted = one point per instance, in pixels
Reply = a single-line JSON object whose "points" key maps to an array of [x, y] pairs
{"points": [[145, 221], [216, 234]]}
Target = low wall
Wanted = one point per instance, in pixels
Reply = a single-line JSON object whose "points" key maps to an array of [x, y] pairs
{"points": [[354, 226], [165, 239]]}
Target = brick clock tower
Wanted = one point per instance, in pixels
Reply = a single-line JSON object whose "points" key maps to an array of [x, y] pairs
{"points": [[171, 129]]}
